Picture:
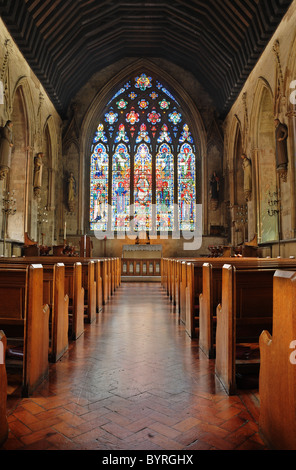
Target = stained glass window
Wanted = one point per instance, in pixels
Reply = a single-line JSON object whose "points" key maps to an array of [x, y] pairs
{"points": [[143, 156], [165, 188], [143, 189], [186, 187], [121, 189], [99, 188]]}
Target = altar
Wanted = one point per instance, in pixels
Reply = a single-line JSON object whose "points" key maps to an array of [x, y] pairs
{"points": [[141, 262], [141, 251]]}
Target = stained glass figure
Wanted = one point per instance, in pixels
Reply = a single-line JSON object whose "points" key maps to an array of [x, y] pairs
{"points": [[186, 187], [164, 189], [99, 188], [121, 189], [143, 189]]}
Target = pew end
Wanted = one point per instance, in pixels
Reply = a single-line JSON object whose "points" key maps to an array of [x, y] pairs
{"points": [[277, 378], [206, 317], [3, 390]]}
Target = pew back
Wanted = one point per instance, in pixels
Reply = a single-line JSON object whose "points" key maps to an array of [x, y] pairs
{"points": [[245, 311]]}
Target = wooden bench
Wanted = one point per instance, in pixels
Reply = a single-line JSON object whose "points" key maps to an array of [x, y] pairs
{"points": [[70, 296], [59, 303], [245, 311], [25, 320], [3, 391], [99, 284], [212, 292], [277, 379], [75, 291]]}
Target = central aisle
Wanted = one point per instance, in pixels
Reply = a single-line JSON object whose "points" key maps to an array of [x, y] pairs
{"points": [[134, 380]]}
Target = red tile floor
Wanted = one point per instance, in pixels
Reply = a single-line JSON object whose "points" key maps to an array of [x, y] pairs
{"points": [[134, 380]]}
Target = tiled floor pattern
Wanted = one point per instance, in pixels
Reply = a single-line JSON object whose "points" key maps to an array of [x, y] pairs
{"points": [[134, 381]]}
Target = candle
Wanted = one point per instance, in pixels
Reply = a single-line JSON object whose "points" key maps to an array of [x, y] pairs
{"points": [[65, 230]]}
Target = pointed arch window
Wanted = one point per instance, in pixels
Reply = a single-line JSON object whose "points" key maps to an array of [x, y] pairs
{"points": [[143, 162]]}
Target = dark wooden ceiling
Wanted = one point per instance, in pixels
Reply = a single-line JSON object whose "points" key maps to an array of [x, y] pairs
{"points": [[66, 41]]}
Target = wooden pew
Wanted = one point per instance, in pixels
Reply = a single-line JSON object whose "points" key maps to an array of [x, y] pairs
{"points": [[118, 272], [277, 379], [99, 284], [3, 391], [212, 292], [76, 292], [193, 289], [89, 284], [209, 299], [106, 277], [88, 279], [70, 296], [59, 342], [245, 311], [163, 279], [54, 296], [25, 320]]}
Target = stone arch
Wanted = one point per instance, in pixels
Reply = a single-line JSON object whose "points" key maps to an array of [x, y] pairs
{"points": [[19, 176], [236, 181], [262, 136], [96, 108], [46, 202]]}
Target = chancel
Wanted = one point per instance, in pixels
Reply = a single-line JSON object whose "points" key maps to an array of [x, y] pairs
{"points": [[148, 226]]}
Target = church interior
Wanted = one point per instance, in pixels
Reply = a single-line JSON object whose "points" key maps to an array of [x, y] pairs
{"points": [[147, 225]]}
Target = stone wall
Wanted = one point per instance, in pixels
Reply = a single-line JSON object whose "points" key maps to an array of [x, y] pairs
{"points": [[250, 128], [36, 129]]}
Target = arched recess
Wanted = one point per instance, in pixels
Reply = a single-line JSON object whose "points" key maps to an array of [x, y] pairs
{"points": [[263, 138], [290, 93], [19, 176], [71, 164], [46, 204], [238, 170], [238, 215], [214, 165], [96, 109]]}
